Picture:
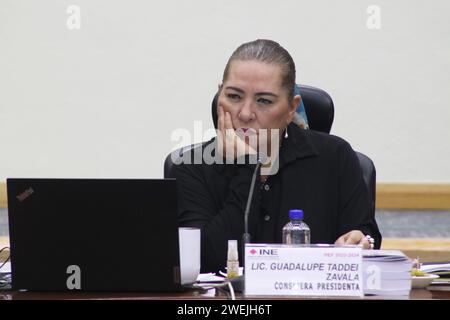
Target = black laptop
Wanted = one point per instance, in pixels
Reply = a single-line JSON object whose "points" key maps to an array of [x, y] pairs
{"points": [[93, 234]]}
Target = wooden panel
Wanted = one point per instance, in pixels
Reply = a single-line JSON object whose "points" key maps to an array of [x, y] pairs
{"points": [[389, 196], [413, 196], [426, 249], [3, 199]]}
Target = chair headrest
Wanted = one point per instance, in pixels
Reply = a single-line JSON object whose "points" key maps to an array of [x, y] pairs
{"points": [[318, 104]]}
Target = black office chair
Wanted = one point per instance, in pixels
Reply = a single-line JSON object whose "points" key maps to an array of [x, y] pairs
{"points": [[319, 109]]}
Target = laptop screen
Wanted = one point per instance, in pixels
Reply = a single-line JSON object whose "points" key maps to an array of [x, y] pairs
{"points": [[93, 234]]}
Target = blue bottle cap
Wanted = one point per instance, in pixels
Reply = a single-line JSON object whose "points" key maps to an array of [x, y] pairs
{"points": [[296, 214]]}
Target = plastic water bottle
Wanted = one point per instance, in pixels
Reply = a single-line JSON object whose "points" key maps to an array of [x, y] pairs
{"points": [[296, 231]]}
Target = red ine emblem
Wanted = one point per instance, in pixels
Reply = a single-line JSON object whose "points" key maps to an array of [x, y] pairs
{"points": [[253, 251]]}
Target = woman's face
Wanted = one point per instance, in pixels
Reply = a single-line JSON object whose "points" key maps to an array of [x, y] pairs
{"points": [[254, 97]]}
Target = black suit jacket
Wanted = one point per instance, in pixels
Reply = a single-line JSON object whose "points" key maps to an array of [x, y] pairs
{"points": [[318, 173]]}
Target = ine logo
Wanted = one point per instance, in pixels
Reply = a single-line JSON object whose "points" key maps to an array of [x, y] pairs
{"points": [[74, 278], [24, 195], [264, 252]]}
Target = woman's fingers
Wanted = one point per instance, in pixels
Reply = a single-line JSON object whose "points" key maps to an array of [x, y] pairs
{"points": [[229, 143], [221, 134], [365, 243], [228, 122], [353, 237], [221, 118], [227, 136], [341, 240]]}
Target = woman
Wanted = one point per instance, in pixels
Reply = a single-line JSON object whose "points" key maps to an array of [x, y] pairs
{"points": [[316, 172]]}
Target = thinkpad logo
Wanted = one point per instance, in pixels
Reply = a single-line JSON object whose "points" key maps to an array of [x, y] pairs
{"points": [[24, 195]]}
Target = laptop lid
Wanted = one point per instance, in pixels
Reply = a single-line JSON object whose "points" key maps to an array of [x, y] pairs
{"points": [[93, 234]]}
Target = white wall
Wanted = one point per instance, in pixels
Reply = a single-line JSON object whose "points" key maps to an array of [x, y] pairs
{"points": [[103, 101]]}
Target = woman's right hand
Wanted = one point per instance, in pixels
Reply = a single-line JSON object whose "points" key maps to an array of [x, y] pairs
{"points": [[228, 139]]}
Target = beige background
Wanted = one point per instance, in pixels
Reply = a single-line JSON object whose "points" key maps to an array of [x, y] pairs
{"points": [[103, 101]]}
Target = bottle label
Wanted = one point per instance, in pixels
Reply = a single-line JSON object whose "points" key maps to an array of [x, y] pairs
{"points": [[232, 269]]}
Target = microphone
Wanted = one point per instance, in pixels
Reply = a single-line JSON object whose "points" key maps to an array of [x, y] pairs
{"points": [[239, 282], [246, 236]]}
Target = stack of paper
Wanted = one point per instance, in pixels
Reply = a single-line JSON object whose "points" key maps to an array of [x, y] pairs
{"points": [[386, 272], [440, 268]]}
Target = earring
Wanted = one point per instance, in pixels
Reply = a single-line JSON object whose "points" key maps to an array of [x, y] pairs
{"points": [[286, 134]]}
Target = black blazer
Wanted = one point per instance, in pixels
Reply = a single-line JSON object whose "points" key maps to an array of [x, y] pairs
{"points": [[318, 173]]}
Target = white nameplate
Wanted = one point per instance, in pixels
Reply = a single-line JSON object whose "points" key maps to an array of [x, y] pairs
{"points": [[299, 270]]}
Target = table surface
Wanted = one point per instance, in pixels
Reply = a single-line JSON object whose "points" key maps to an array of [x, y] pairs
{"points": [[416, 294]]}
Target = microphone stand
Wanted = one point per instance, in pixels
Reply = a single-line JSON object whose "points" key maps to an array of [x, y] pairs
{"points": [[246, 235], [239, 282]]}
